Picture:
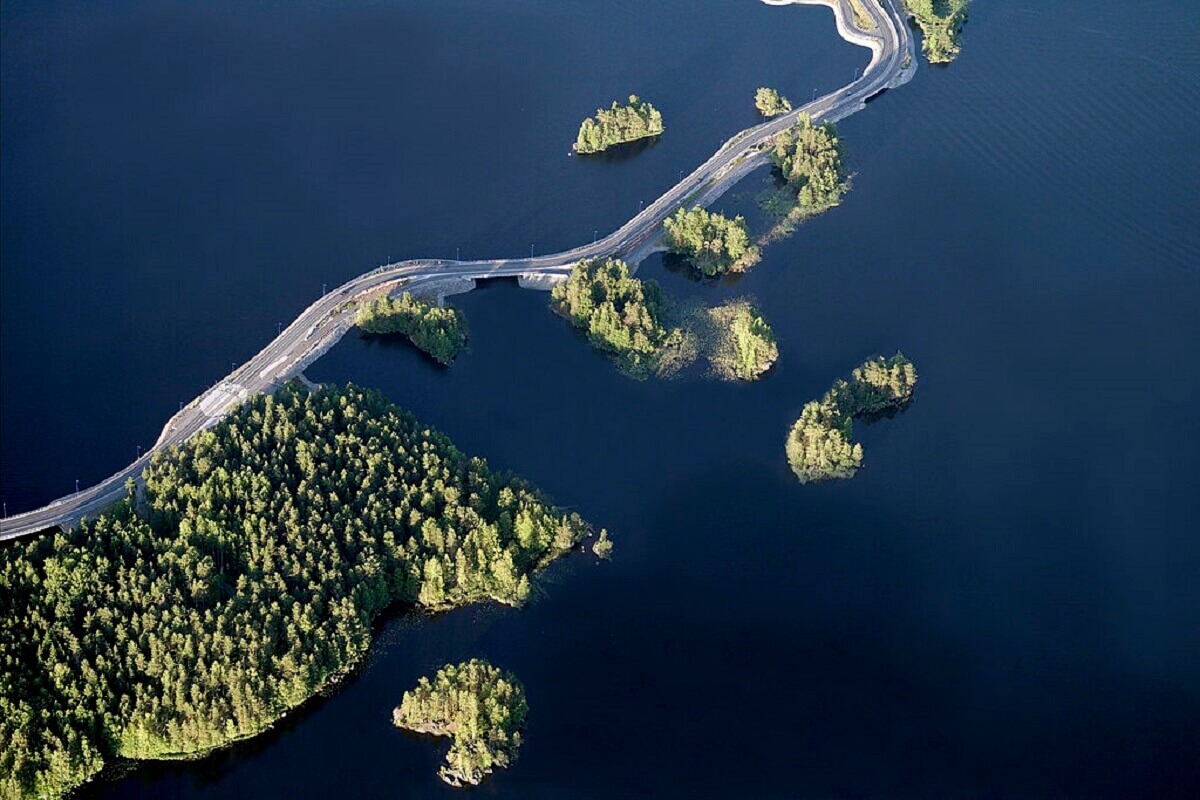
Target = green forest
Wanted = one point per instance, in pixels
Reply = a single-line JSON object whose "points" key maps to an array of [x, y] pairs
{"points": [[618, 125], [941, 23], [712, 243], [622, 316], [818, 445], [769, 102], [440, 332], [744, 346], [810, 158], [244, 579], [482, 709]]}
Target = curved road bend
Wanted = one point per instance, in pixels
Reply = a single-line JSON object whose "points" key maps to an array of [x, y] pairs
{"points": [[323, 323]]}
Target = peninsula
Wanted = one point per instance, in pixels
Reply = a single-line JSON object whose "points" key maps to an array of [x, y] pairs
{"points": [[244, 579], [441, 332]]}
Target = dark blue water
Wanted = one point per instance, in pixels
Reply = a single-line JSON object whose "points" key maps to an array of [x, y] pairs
{"points": [[1003, 603]]}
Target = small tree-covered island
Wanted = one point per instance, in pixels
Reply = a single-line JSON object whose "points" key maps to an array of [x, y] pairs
{"points": [[770, 103], [622, 316], [810, 159], [618, 125], [479, 707], [439, 332], [743, 347], [712, 243], [818, 445], [941, 23], [245, 580]]}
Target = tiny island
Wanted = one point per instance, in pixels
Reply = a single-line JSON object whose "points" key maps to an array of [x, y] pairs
{"points": [[770, 103], [712, 243], [941, 22], [818, 445], [441, 332], [618, 125], [481, 709]]}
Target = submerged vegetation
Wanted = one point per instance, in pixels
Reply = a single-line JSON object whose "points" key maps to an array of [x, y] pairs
{"points": [[941, 23], [818, 445], [744, 345], [246, 579], [770, 103], [482, 709], [628, 320], [713, 243], [621, 315], [440, 332], [618, 125]]}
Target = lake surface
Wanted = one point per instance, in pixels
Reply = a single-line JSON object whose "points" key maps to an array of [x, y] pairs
{"points": [[1003, 603]]}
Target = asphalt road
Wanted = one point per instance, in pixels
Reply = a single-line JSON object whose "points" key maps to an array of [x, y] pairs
{"points": [[324, 322]]}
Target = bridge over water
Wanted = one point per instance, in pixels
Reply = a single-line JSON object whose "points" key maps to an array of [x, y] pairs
{"points": [[322, 324]]}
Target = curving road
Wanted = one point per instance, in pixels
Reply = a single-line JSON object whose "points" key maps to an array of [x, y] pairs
{"points": [[323, 323]]}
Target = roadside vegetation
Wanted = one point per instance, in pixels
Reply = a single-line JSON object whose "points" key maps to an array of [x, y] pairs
{"points": [[712, 243], [810, 159], [808, 164], [862, 20], [941, 23], [246, 579], [618, 125], [770, 103], [440, 332], [819, 446], [479, 707], [622, 316]]}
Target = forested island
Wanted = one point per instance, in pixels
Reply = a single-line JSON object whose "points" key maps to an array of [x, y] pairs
{"points": [[621, 315], [818, 445], [743, 347], [479, 707], [712, 243], [770, 103], [440, 332], [618, 125], [809, 157], [245, 579], [941, 23]]}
